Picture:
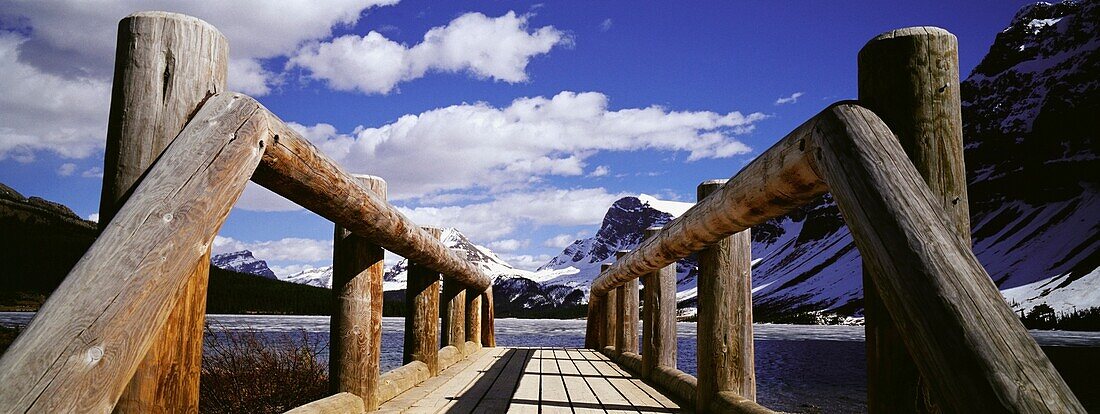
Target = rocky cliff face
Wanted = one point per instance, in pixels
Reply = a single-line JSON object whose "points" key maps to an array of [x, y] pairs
{"points": [[243, 262]]}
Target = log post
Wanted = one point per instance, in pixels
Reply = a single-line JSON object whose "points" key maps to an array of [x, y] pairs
{"points": [[594, 323], [627, 303], [725, 347], [658, 317], [611, 316], [488, 321], [355, 336], [422, 314], [166, 65], [473, 317], [910, 78], [453, 331]]}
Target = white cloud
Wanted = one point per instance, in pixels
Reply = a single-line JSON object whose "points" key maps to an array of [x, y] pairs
{"points": [[42, 111], [57, 81], [289, 249], [560, 241], [94, 172], [605, 25], [257, 198], [66, 169], [600, 171], [508, 245], [497, 48], [94, 217], [526, 261], [469, 146], [789, 99], [506, 213]]}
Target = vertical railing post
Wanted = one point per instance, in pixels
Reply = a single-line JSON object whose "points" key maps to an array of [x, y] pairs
{"points": [[473, 320], [355, 334], [626, 334], [453, 331], [658, 316], [422, 314], [725, 347], [166, 64], [611, 317], [488, 319], [910, 78], [594, 323]]}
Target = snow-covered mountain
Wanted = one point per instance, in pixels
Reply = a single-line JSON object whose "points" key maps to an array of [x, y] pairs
{"points": [[315, 276], [1030, 124], [243, 262]]}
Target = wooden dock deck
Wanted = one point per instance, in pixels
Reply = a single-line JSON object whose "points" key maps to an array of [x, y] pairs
{"points": [[533, 380]]}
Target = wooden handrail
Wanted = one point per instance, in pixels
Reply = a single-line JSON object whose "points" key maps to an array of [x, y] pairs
{"points": [[966, 342]]}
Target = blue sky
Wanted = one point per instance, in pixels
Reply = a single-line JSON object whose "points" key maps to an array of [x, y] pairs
{"points": [[517, 122]]}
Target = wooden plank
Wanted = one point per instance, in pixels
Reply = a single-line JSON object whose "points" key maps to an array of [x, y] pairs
{"points": [[910, 79], [482, 378], [525, 399], [412, 399], [166, 65], [459, 381], [293, 168], [552, 397], [610, 398], [355, 334], [724, 341], [422, 313], [581, 397], [87, 340], [975, 353]]}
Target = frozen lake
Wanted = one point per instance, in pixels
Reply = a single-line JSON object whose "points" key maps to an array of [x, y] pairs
{"points": [[798, 367]]}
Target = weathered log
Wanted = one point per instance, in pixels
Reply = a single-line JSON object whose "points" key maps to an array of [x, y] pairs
{"points": [[422, 313], [725, 347], [488, 321], [733, 403], [355, 335], [399, 380], [453, 329], [293, 168], [342, 403], [448, 356], [473, 319], [975, 353], [773, 184], [627, 302], [89, 337], [166, 64], [658, 317], [681, 384], [611, 329], [910, 79], [594, 322]]}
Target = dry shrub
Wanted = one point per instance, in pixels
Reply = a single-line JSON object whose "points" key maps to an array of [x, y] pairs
{"points": [[246, 371]]}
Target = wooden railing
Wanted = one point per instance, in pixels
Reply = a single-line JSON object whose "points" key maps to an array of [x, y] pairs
{"points": [[123, 332], [893, 163]]}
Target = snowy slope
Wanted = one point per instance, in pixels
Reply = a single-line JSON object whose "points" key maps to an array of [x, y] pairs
{"points": [[243, 262]]}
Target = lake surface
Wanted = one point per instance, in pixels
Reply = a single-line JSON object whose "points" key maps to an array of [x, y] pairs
{"points": [[798, 367]]}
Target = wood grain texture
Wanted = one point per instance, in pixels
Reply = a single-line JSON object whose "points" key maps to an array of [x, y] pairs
{"points": [[401, 379], [341, 403], [658, 317], [975, 353], [355, 333], [593, 322], [725, 344], [453, 329], [91, 334], [473, 318], [166, 65], [488, 319], [773, 184], [910, 79], [626, 332], [611, 329], [293, 168], [422, 313]]}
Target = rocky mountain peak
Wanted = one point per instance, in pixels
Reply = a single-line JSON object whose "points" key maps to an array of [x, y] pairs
{"points": [[243, 262]]}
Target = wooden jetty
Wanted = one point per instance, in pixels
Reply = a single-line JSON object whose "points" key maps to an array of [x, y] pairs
{"points": [[123, 332]]}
